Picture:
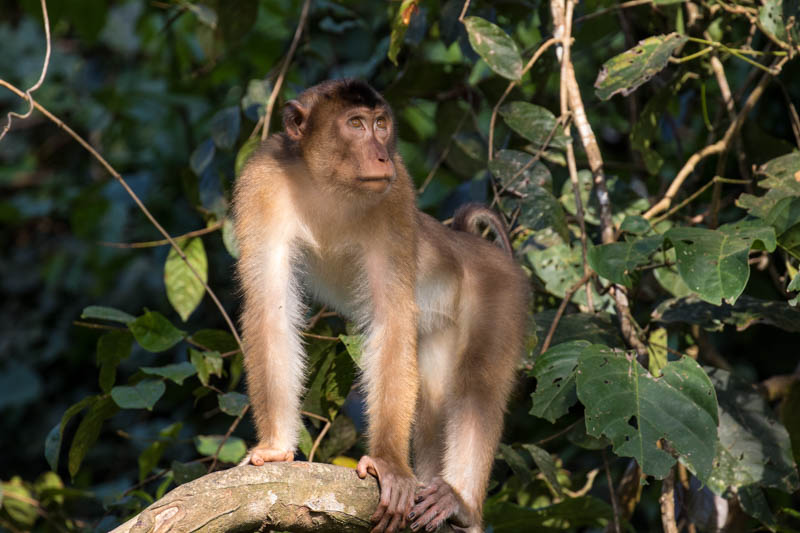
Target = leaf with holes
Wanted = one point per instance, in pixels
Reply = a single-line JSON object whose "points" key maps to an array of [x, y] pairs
{"points": [[184, 290], [554, 371], [535, 123], [625, 72], [713, 263], [635, 410], [495, 47], [746, 312], [617, 261], [754, 448]]}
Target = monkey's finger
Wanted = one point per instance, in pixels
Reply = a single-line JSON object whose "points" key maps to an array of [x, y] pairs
{"points": [[426, 518], [436, 521], [380, 527], [420, 508], [383, 503]]}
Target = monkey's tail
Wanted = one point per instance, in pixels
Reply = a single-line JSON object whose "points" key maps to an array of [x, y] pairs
{"points": [[474, 218]]}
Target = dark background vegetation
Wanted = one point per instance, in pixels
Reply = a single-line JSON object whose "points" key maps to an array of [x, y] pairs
{"points": [[154, 86]]}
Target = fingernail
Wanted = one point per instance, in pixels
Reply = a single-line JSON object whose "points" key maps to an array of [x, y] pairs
{"points": [[414, 526], [411, 515]]}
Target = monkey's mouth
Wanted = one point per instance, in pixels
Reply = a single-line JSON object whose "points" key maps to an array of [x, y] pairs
{"points": [[374, 179]]}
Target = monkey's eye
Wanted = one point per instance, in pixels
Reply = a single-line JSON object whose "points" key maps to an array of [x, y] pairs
{"points": [[381, 123], [355, 122]]}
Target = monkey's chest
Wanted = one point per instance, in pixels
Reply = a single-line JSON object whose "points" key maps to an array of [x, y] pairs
{"points": [[335, 278]]}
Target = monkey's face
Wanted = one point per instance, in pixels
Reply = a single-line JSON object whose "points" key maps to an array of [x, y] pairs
{"points": [[365, 143]]}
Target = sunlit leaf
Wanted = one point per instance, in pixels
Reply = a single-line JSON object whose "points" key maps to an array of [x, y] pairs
{"points": [[624, 73], [176, 372], [232, 451], [495, 47], [184, 290], [400, 23]]}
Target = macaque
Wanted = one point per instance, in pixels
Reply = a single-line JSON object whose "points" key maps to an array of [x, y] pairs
{"points": [[326, 210]]}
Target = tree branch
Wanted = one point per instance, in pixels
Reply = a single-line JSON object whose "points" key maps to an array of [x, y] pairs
{"points": [[297, 496]]}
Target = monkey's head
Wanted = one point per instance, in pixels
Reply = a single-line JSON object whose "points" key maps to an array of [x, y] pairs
{"points": [[344, 131]]}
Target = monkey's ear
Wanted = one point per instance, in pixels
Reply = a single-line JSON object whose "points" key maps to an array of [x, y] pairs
{"points": [[295, 119]]}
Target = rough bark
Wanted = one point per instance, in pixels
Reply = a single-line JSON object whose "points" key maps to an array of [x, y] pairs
{"points": [[295, 497]]}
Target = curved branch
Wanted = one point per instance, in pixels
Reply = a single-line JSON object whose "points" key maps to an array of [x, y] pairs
{"points": [[297, 496]]}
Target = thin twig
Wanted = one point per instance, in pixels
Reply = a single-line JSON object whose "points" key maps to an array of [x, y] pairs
{"points": [[10, 116], [557, 434], [136, 199], [536, 55], [611, 492], [321, 433], [715, 148], [561, 307], [228, 434], [92, 325], [599, 12], [463, 11], [694, 195], [583, 491], [273, 97], [667, 501], [162, 242]]}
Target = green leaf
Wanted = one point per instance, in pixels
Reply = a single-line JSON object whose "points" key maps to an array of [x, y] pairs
{"points": [[233, 403], [19, 509], [774, 17], [555, 373], [341, 437], [52, 447], [746, 312], [232, 451], [354, 345], [400, 22], [184, 290], [254, 106], [150, 456], [635, 224], [535, 123], [331, 376], [143, 395], [215, 340], [306, 442], [113, 347], [186, 472], [507, 166], [668, 277], [754, 503], [225, 127], [495, 47], [516, 462], [597, 328], [207, 364], [633, 409], [99, 312], [657, 344], [624, 73], [176, 372], [618, 260], [229, 238], [754, 448], [572, 514], [545, 463], [88, 431], [154, 332], [713, 263]]}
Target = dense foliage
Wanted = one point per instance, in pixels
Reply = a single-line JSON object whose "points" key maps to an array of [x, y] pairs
{"points": [[651, 180]]}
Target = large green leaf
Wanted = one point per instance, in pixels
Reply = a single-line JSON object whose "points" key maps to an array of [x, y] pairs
{"points": [[754, 448], [507, 166], [746, 312], [207, 364], [535, 123], [782, 179], [624, 73], [154, 332], [495, 47], [143, 395], [597, 328], [617, 261], [713, 263], [555, 373], [232, 403], [88, 431], [184, 290], [635, 410]]}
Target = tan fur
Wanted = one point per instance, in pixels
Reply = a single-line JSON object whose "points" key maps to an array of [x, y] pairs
{"points": [[444, 311]]}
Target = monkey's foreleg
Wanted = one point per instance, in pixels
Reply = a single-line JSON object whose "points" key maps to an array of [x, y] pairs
{"points": [[274, 354]]}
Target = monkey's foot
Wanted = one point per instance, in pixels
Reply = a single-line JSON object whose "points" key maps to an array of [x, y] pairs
{"points": [[264, 454], [397, 485], [436, 503]]}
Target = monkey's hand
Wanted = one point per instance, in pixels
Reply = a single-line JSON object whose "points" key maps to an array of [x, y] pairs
{"points": [[397, 486], [436, 503], [264, 454]]}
